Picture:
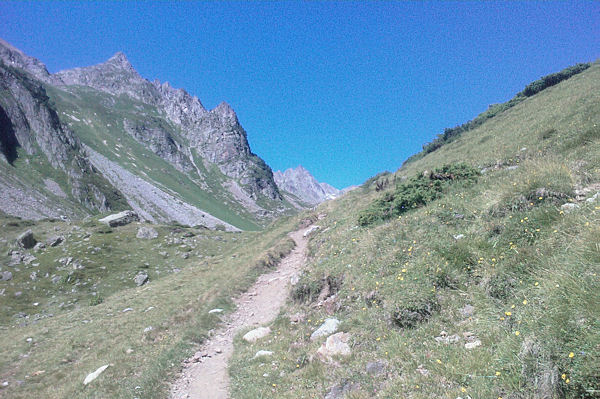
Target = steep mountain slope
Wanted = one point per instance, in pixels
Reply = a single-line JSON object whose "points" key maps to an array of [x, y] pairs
{"points": [[304, 186], [134, 129], [473, 271]]}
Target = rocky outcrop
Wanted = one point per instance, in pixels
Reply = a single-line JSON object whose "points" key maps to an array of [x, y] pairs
{"points": [[14, 57], [303, 185], [215, 135], [208, 148], [154, 135], [29, 121], [120, 219]]}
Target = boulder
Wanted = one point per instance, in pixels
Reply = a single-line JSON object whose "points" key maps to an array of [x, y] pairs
{"points": [[26, 240], [140, 279], [120, 219], [256, 334], [336, 345], [327, 328], [146, 233]]}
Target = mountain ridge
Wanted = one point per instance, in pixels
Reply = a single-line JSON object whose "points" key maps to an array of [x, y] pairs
{"points": [[301, 183], [208, 147]]}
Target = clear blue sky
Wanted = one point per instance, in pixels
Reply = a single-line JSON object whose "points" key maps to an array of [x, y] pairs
{"points": [[346, 89]]}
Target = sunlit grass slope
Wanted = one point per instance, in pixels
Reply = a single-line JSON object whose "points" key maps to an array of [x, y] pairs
{"points": [[62, 318], [504, 275]]}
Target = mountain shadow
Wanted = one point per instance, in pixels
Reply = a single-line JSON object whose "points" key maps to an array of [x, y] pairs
{"points": [[8, 140]]}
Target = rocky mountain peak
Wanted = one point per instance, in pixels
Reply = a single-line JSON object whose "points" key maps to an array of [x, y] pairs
{"points": [[14, 57], [303, 185], [120, 60], [225, 112]]}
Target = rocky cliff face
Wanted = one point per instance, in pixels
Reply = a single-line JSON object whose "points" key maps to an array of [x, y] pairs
{"points": [[28, 121], [303, 185], [216, 135], [177, 152]]}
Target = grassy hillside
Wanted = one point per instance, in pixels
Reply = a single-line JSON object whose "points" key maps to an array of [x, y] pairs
{"points": [[63, 318], [495, 267]]}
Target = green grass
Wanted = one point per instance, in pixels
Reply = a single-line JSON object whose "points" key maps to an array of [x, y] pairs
{"points": [[72, 340], [502, 245]]}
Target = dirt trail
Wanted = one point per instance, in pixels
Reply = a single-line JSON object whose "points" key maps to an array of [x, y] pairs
{"points": [[205, 375]]}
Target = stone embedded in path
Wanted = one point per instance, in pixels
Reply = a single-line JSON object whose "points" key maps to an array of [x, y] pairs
{"points": [[120, 219], [26, 240], [256, 334], [328, 327], [262, 353], [146, 233], [92, 376], [336, 345], [310, 231]]}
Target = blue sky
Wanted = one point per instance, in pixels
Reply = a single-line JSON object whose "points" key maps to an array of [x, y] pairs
{"points": [[347, 89]]}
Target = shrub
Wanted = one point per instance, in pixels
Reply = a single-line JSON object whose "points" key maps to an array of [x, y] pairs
{"points": [[416, 192]]}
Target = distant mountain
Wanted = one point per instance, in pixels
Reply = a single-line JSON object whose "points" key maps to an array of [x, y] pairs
{"points": [[104, 138], [304, 186]]}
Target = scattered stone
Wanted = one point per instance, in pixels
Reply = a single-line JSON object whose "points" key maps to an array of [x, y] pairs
{"points": [[92, 376], [311, 230], [39, 246], [339, 391], [215, 311], [140, 279], [459, 237], [467, 310], [127, 310], [120, 219], [56, 279], [256, 334], [327, 328], [297, 318], [262, 353], [447, 339], [474, 344], [6, 276], [18, 293], [188, 234], [148, 329], [422, 370], [28, 258], [336, 345], [26, 240], [55, 241], [593, 198], [146, 233], [568, 207], [376, 368]]}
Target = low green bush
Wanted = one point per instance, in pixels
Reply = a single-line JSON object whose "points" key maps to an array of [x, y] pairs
{"points": [[417, 192]]}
